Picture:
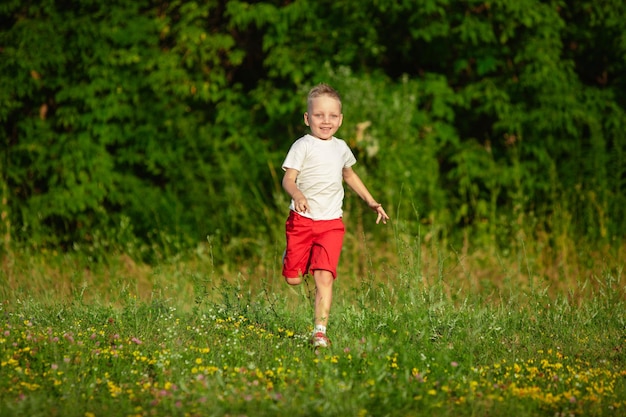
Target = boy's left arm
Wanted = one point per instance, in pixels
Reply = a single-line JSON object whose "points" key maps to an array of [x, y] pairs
{"points": [[354, 181]]}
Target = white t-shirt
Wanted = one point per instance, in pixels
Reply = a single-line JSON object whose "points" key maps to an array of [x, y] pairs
{"points": [[320, 164]]}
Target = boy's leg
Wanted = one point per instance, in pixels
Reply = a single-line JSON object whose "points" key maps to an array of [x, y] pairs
{"points": [[293, 281], [324, 259], [323, 295]]}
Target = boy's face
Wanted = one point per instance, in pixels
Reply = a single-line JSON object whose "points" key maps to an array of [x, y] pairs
{"points": [[324, 117]]}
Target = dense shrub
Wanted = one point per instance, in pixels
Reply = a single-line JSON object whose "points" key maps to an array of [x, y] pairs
{"points": [[167, 122]]}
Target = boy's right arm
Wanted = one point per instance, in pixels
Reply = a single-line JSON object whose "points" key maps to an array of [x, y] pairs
{"points": [[301, 205]]}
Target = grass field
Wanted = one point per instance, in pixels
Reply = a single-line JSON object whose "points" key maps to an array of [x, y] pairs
{"points": [[432, 335]]}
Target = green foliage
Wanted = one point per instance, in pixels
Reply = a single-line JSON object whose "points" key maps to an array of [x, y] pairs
{"points": [[172, 119]]}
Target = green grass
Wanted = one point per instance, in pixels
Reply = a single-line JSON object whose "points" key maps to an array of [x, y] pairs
{"points": [[187, 339]]}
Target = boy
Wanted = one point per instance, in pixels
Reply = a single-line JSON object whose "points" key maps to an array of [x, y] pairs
{"points": [[315, 168]]}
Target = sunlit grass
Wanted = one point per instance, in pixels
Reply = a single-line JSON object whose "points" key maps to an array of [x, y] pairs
{"points": [[410, 337], [212, 366], [253, 359]]}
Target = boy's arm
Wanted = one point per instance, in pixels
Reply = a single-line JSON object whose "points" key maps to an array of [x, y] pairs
{"points": [[354, 181], [300, 202]]}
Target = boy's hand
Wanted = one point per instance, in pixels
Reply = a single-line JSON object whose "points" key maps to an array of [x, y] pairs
{"points": [[378, 208], [301, 204]]}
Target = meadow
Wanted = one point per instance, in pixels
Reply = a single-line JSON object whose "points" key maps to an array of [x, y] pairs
{"points": [[426, 331], [132, 129]]}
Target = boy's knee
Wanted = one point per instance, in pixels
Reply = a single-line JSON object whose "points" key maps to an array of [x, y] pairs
{"points": [[323, 278], [293, 281]]}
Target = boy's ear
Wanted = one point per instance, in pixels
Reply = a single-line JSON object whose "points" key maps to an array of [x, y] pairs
{"points": [[306, 118]]}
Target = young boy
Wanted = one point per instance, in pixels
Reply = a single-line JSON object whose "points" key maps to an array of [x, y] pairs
{"points": [[315, 168]]}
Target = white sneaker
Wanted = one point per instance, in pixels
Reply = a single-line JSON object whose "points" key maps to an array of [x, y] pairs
{"points": [[319, 339]]}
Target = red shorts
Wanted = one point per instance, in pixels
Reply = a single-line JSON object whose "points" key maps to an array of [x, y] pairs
{"points": [[311, 245]]}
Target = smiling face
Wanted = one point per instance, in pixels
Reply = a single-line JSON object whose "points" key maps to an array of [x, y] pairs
{"points": [[324, 116]]}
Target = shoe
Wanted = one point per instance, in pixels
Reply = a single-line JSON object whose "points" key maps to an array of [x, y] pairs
{"points": [[319, 339]]}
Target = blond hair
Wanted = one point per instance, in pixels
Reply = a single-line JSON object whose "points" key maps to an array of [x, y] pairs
{"points": [[323, 90]]}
